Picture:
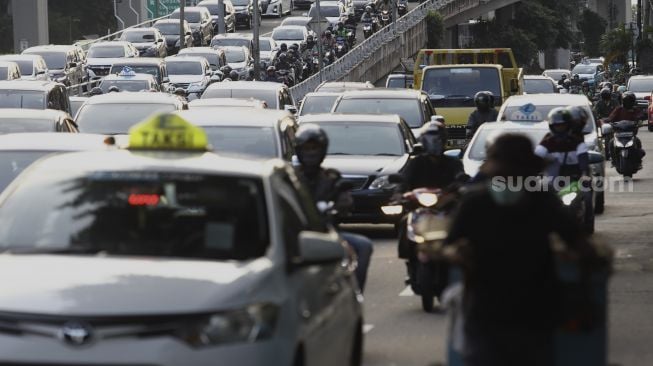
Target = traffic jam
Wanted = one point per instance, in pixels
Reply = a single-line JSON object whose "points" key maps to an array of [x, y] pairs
{"points": [[167, 198]]}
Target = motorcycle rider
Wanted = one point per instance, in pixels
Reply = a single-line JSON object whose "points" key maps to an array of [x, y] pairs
{"points": [[271, 74], [561, 82], [283, 48], [341, 31], [311, 144], [585, 90], [510, 294], [328, 42], [367, 15], [485, 112], [626, 112], [234, 75], [606, 104]]}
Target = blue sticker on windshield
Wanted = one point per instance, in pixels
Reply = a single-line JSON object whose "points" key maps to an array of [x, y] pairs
{"points": [[527, 108], [527, 112]]}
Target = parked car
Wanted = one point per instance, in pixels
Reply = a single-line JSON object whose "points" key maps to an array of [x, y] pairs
{"points": [[200, 21], [229, 14], [170, 30], [102, 55], [65, 63], [32, 67], [16, 120], [275, 95], [537, 84], [34, 95], [148, 41], [9, 71]]}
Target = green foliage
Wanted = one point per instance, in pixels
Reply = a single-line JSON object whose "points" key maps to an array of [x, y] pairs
{"points": [[592, 26], [72, 19], [434, 29], [616, 44]]}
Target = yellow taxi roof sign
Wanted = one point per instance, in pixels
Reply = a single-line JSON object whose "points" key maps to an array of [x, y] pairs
{"points": [[167, 132]]}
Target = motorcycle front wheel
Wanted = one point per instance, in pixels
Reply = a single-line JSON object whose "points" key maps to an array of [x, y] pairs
{"points": [[425, 283]]}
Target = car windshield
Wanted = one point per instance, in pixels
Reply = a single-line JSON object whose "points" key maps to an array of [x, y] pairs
{"points": [[106, 52], [179, 215], [168, 28], [478, 148], [22, 99], [13, 163], [366, 138], [400, 82], [54, 60], [264, 45], [125, 85], [4, 73], [137, 36], [234, 56], [318, 104], [214, 9], [212, 58], [268, 96], [584, 69], [185, 68], [26, 67], [116, 118], [538, 86], [240, 2], [139, 69], [237, 140], [283, 34], [325, 11], [532, 113], [20, 125], [229, 42], [640, 85], [556, 75], [456, 86], [408, 109], [189, 16]]}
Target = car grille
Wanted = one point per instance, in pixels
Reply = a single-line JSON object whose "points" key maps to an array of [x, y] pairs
{"points": [[357, 181], [100, 70]]}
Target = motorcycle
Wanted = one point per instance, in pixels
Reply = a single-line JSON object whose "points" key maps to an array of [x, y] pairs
{"points": [[402, 8], [425, 230], [341, 46], [285, 77], [385, 18], [626, 156], [329, 58], [367, 29], [351, 37], [580, 204]]}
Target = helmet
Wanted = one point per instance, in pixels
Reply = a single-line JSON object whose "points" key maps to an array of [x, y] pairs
{"points": [[233, 75], [585, 84], [291, 53], [271, 69], [567, 83], [96, 91], [559, 121], [114, 89], [433, 137], [368, 9], [578, 118], [606, 93], [576, 76], [283, 47], [225, 70], [608, 85], [311, 144], [621, 89], [629, 100], [484, 100], [563, 77], [340, 25], [282, 57], [309, 38], [327, 33], [294, 46], [180, 92]]}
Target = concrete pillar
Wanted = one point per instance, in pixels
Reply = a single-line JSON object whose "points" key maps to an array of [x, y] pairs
{"points": [[30, 18]]}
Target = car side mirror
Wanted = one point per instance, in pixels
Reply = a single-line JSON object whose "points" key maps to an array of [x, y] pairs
{"points": [[417, 149], [454, 153], [606, 129], [159, 40], [320, 248], [290, 108], [595, 157]]}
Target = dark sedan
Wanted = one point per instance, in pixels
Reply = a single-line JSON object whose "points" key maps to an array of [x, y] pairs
{"points": [[366, 149]]}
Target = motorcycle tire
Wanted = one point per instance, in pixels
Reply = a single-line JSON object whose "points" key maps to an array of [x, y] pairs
{"points": [[589, 219], [600, 203], [425, 283]]}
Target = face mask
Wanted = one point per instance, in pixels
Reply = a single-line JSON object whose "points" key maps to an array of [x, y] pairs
{"points": [[505, 197], [311, 160]]}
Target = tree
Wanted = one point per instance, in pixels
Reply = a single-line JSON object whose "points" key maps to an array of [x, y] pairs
{"points": [[76, 18], [434, 29], [616, 44], [592, 26]]}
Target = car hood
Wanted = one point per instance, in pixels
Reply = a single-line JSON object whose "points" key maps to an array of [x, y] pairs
{"points": [[185, 78], [102, 61], [641, 95], [366, 165], [586, 76], [172, 39], [237, 65], [472, 166], [144, 45], [80, 285]]}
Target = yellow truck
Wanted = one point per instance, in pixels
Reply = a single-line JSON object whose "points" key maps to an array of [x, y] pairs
{"points": [[452, 77]]}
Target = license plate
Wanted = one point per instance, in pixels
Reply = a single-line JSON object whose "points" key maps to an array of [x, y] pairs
{"points": [[458, 142]]}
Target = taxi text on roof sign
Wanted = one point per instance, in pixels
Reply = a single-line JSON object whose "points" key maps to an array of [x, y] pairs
{"points": [[167, 132]]}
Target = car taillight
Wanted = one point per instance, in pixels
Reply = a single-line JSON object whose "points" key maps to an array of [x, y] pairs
{"points": [[647, 98]]}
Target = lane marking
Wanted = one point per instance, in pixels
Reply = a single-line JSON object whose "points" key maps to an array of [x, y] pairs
{"points": [[407, 292], [367, 328]]}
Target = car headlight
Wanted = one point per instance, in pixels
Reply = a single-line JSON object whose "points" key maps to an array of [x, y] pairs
{"points": [[427, 199], [568, 198], [382, 182], [251, 324]]}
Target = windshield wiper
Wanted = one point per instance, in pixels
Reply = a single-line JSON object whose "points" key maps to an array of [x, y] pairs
{"points": [[458, 96], [385, 154], [33, 250], [339, 153]]}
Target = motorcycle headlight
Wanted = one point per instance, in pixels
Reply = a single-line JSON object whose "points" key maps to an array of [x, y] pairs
{"points": [[392, 210], [630, 143], [568, 198], [382, 182], [427, 199], [251, 324]]}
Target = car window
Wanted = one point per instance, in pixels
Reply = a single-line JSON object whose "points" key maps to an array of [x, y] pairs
{"points": [[486, 136], [12, 163], [408, 109], [243, 140], [318, 104], [107, 119], [364, 138]]}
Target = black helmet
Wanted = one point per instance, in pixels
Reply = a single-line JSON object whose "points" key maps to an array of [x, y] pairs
{"points": [[340, 25], [311, 144], [327, 33], [566, 83], [113, 89], [629, 100], [484, 100], [233, 75], [271, 69], [585, 84], [576, 76], [608, 85], [606, 93], [368, 9], [96, 91], [226, 69], [282, 56], [180, 92], [294, 46], [291, 53], [309, 38], [577, 117], [433, 137], [283, 47], [559, 116], [563, 77]]}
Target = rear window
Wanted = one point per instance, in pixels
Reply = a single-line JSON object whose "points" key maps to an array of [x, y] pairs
{"points": [[640, 85], [139, 69], [13, 163], [237, 140], [408, 109], [116, 119], [538, 86], [22, 99], [180, 215], [485, 136], [12, 125], [318, 104]]}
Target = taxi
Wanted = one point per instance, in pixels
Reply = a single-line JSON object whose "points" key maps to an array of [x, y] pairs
{"points": [[216, 260], [128, 80]]}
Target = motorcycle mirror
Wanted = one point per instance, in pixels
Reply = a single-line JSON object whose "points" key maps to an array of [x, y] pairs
{"points": [[606, 129], [454, 153]]}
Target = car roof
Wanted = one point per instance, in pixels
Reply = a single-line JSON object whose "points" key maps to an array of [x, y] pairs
{"points": [[139, 61], [399, 76], [141, 29], [28, 85], [537, 77], [508, 125], [198, 50], [133, 97], [300, 27], [226, 102], [233, 35], [344, 117], [161, 161], [24, 57], [52, 47], [190, 8], [323, 94], [350, 85], [19, 113], [548, 99], [51, 141], [382, 93], [329, 3], [168, 21], [111, 43], [225, 116], [298, 18], [172, 59], [146, 77], [243, 84], [557, 70], [641, 77]]}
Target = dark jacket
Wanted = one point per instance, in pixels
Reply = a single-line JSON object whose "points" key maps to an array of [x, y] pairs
{"points": [[430, 171], [477, 118], [603, 109], [323, 187]]}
